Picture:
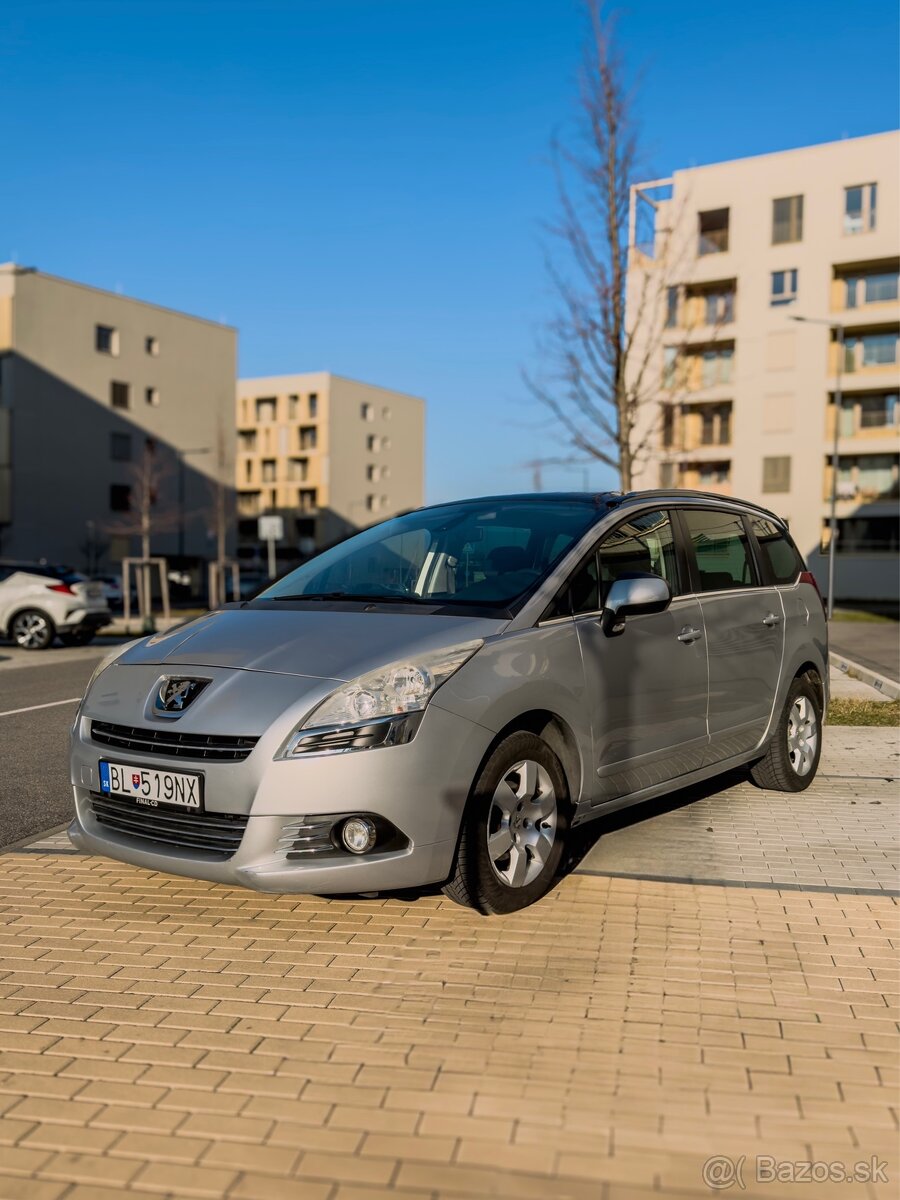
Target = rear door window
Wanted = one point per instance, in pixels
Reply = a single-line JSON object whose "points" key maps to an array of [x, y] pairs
{"points": [[721, 549], [777, 550]]}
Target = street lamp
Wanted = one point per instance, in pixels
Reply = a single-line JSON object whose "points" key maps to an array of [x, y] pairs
{"points": [[181, 457], [838, 330]]}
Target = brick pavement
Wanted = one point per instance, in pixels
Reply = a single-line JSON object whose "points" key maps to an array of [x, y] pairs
{"points": [[164, 1037]]}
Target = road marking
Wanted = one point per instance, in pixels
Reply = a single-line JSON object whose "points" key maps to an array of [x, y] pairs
{"points": [[11, 712]]}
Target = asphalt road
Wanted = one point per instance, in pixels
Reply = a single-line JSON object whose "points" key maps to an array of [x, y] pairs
{"points": [[39, 692]]}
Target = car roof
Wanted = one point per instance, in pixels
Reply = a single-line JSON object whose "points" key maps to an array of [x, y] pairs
{"points": [[608, 501]]}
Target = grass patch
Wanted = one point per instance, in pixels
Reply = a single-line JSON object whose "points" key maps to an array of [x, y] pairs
{"points": [[860, 617], [864, 712]]}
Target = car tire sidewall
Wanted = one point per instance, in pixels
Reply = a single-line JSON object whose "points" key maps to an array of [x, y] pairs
{"points": [[49, 633], [493, 895], [800, 687]]}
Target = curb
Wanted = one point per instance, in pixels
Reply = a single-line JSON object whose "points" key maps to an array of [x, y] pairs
{"points": [[881, 683]]}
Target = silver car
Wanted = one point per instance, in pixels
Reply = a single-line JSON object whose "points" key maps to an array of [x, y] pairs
{"points": [[442, 697]]}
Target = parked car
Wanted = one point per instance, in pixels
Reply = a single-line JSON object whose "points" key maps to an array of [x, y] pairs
{"points": [[112, 589], [442, 697], [39, 602]]}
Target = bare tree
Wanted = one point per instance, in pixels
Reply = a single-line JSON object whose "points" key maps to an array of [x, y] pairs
{"points": [[600, 369], [149, 512]]}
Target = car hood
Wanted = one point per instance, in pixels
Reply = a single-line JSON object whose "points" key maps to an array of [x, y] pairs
{"points": [[322, 645]]}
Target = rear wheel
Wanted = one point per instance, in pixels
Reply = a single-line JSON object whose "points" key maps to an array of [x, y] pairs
{"points": [[513, 830], [79, 637], [32, 629], [792, 758]]}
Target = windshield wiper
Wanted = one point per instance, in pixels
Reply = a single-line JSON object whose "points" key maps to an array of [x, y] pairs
{"points": [[387, 598]]}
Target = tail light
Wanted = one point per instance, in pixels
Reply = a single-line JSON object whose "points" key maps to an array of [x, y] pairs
{"points": [[808, 577], [61, 587]]}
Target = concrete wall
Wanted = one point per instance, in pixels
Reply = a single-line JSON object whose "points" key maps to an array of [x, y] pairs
{"points": [[783, 371], [57, 386]]}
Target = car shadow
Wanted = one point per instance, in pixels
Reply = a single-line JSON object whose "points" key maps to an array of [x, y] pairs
{"points": [[585, 837]]}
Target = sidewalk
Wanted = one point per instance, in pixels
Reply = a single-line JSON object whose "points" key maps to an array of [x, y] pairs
{"points": [[165, 1037]]}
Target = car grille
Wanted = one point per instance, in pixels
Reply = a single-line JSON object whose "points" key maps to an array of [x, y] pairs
{"points": [[211, 747], [215, 835]]}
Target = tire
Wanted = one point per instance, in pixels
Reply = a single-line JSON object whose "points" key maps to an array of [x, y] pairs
{"points": [[32, 629], [792, 758], [80, 637], [513, 829]]}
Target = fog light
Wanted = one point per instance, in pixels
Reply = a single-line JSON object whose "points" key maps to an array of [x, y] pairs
{"points": [[358, 835]]}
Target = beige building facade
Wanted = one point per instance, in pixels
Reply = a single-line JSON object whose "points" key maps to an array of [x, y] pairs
{"points": [[328, 454], [746, 398], [101, 394]]}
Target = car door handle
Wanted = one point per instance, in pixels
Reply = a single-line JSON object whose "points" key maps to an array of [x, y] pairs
{"points": [[689, 634], [771, 620]]}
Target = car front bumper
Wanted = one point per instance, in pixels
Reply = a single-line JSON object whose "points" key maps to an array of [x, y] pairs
{"points": [[421, 788]]}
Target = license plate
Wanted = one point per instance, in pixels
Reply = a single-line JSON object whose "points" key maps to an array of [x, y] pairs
{"points": [[153, 788]]}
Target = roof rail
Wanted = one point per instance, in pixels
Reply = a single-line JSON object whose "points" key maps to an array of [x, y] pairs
{"points": [[681, 493]]}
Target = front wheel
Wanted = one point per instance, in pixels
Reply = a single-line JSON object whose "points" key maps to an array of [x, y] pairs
{"points": [[32, 629], [513, 829], [792, 757]]}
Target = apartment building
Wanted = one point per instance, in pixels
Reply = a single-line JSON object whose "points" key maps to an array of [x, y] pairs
{"points": [[108, 407], [330, 455], [777, 279]]}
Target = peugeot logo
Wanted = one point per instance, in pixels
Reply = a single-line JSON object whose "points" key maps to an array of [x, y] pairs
{"points": [[174, 695]]}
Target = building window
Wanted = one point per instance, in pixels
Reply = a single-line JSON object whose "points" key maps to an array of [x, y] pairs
{"points": [[715, 425], [860, 207], [120, 497], [151, 395], [309, 437], [247, 440], [866, 535], [878, 412], [106, 339], [668, 425], [713, 231], [120, 394], [293, 408], [265, 409], [120, 447], [670, 366], [385, 443], [151, 346], [268, 470], [367, 412], [671, 307], [307, 499], [385, 416], [776, 474], [875, 288], [372, 442], [784, 287], [313, 405], [717, 366], [371, 503], [298, 469], [719, 308], [787, 220], [870, 350], [371, 472], [713, 474]]}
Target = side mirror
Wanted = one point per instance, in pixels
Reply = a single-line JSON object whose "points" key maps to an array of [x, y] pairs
{"points": [[632, 595]]}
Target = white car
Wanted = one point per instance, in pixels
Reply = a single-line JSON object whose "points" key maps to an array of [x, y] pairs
{"points": [[39, 602]]}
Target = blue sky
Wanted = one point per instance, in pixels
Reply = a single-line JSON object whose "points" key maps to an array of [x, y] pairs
{"points": [[359, 185]]}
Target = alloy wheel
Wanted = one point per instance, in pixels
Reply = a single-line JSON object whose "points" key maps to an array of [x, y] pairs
{"points": [[802, 735], [521, 827], [30, 631]]}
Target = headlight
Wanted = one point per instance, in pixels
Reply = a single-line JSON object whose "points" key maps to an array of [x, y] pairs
{"points": [[363, 713], [106, 661]]}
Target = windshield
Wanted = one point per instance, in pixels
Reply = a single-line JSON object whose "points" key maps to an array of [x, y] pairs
{"points": [[484, 553]]}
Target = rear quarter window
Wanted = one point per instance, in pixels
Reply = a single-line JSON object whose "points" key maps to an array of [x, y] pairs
{"points": [[778, 551]]}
